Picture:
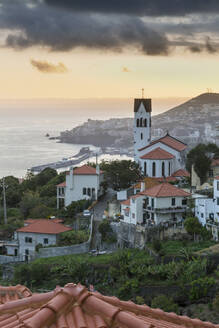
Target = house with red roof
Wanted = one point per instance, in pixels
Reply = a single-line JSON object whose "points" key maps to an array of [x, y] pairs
{"points": [[83, 182], [34, 232], [74, 306], [157, 158], [161, 203]]}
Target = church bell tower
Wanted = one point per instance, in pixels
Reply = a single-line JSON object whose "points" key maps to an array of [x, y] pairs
{"points": [[142, 124]]}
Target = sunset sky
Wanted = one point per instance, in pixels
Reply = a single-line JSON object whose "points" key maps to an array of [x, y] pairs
{"points": [[108, 49]]}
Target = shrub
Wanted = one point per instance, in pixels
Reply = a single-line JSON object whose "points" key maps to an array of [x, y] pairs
{"points": [[216, 303], [165, 303], [140, 300], [157, 245], [72, 238], [200, 288]]}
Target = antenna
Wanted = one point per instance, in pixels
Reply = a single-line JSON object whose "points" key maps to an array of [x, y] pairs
{"points": [[142, 90]]}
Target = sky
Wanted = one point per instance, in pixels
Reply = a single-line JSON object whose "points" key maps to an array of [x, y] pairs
{"points": [[83, 49]]}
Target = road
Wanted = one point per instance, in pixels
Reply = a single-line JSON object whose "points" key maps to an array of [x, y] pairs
{"points": [[101, 206]]}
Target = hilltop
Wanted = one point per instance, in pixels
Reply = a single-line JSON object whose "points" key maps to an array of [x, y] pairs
{"points": [[194, 121]]}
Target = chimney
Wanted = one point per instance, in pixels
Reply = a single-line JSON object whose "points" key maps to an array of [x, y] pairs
{"points": [[71, 178], [142, 186]]}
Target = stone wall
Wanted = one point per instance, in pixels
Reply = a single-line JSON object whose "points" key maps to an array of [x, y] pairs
{"points": [[9, 259]]}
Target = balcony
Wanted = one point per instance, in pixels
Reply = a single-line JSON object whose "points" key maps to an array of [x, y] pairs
{"points": [[178, 209]]}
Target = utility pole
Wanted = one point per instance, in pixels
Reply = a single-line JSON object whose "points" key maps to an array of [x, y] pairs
{"points": [[4, 201]]}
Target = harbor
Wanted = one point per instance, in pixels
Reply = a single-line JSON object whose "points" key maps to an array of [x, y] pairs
{"points": [[85, 154]]}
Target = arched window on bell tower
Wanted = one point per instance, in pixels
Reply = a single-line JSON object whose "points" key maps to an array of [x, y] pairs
{"points": [[154, 169], [145, 122], [137, 123], [141, 122]]}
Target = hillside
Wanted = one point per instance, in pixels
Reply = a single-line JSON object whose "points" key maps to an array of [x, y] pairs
{"points": [[195, 121]]}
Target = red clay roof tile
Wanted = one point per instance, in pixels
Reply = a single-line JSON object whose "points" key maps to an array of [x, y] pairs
{"points": [[169, 141], [126, 202], [181, 173], [165, 190], [215, 162], [44, 226], [63, 184], [157, 154], [73, 306], [85, 170]]}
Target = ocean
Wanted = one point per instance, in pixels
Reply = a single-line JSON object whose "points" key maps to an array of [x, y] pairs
{"points": [[23, 141]]}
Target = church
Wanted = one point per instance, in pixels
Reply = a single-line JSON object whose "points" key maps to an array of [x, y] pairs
{"points": [[160, 158]]}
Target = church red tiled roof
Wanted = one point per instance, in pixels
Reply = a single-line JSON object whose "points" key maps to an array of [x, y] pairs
{"points": [[44, 226], [168, 141], [75, 307], [126, 202], [158, 153], [165, 190]]}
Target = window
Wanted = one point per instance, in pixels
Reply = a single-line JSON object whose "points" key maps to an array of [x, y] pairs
{"points": [[133, 200], [46, 241], [145, 122], [211, 173], [217, 201], [154, 169], [141, 136], [88, 191], [163, 169], [184, 201], [28, 240], [217, 185], [202, 215], [152, 203], [15, 252], [84, 191], [145, 168], [173, 201], [137, 123], [141, 122], [133, 215]]}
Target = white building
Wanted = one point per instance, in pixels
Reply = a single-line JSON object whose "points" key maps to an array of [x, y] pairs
{"points": [[207, 210], [160, 204], [81, 183], [157, 158], [43, 231]]}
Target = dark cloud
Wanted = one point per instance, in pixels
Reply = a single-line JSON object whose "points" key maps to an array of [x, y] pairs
{"points": [[139, 7], [44, 26], [36, 23], [45, 67]]}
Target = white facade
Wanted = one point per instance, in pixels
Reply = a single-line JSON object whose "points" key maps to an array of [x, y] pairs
{"points": [[154, 167], [154, 210], [207, 211], [142, 125], [80, 186]]}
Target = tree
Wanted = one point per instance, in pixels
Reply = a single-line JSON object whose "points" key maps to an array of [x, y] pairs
{"points": [[200, 156], [13, 191], [28, 202], [193, 226], [165, 303], [121, 174]]}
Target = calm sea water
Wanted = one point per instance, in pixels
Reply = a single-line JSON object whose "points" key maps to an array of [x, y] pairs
{"points": [[23, 143]]}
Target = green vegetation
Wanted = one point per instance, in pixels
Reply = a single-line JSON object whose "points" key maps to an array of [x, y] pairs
{"points": [[199, 157], [73, 238], [106, 231], [165, 303]]}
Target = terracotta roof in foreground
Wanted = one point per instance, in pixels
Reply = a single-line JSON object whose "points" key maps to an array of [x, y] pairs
{"points": [[75, 307], [158, 153], [45, 226], [181, 173], [168, 141], [85, 170], [165, 190]]}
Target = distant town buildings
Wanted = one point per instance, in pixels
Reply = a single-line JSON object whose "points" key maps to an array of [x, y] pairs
{"points": [[81, 183]]}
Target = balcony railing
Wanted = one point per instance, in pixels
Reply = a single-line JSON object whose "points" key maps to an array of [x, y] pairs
{"points": [[178, 209]]}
